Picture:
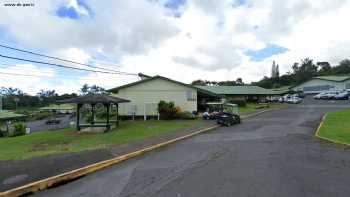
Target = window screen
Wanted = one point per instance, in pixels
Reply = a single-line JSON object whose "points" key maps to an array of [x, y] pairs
{"points": [[190, 96]]}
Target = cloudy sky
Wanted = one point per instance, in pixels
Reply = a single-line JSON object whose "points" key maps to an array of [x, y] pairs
{"points": [[180, 39]]}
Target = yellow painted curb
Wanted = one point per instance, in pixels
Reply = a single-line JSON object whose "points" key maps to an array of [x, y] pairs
{"points": [[74, 174], [320, 125], [325, 138]]}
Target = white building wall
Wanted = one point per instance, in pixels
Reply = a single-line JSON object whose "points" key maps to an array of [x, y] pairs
{"points": [[318, 85], [151, 92]]}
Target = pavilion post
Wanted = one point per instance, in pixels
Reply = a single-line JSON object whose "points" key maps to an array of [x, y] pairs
{"points": [[108, 114], [78, 116], [117, 122], [93, 114]]}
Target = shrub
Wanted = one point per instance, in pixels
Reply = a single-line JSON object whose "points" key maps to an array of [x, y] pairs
{"points": [[186, 115], [2, 133], [20, 129], [167, 110]]}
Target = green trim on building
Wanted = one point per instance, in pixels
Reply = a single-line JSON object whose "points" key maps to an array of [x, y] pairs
{"points": [[333, 78], [238, 90]]}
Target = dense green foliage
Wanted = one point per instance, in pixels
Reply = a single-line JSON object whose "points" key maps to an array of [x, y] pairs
{"points": [[14, 98], [20, 129], [167, 110], [200, 82], [94, 89], [300, 72], [303, 71]]}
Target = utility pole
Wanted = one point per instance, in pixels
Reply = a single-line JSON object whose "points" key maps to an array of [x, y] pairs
{"points": [[0, 102]]}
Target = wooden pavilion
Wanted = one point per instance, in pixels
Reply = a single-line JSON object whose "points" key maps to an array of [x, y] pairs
{"points": [[93, 100]]}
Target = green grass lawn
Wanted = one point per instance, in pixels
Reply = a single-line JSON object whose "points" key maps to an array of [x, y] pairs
{"points": [[337, 126], [252, 107], [67, 140]]}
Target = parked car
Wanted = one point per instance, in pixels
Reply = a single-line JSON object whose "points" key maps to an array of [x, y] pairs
{"points": [[342, 96], [332, 95], [318, 96], [275, 98], [294, 100], [284, 98], [53, 122], [224, 113]]}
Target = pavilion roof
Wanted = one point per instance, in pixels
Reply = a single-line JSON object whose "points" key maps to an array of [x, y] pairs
{"points": [[95, 99]]}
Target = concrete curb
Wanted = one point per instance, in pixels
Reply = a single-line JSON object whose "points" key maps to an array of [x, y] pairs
{"points": [[325, 138], [74, 174]]}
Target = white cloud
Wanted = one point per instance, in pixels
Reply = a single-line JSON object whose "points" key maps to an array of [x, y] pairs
{"points": [[118, 27], [28, 83], [73, 54], [80, 9]]}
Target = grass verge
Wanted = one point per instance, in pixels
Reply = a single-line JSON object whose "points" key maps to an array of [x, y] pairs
{"points": [[336, 127], [253, 107], [67, 140]]}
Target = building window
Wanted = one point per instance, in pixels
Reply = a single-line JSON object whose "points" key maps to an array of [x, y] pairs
{"points": [[132, 109], [190, 96], [347, 86]]}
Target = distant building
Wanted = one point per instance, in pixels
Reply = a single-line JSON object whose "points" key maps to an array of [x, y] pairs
{"points": [[323, 83]]}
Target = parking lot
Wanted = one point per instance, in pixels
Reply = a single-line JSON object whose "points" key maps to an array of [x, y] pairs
{"points": [[273, 154], [40, 125]]}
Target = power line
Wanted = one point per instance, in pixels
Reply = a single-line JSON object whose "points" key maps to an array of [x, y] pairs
{"points": [[62, 66], [25, 69], [45, 76], [18, 74], [56, 58]]}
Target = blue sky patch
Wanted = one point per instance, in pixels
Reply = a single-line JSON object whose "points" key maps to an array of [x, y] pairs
{"points": [[70, 12], [67, 12], [237, 3], [174, 4], [268, 51]]}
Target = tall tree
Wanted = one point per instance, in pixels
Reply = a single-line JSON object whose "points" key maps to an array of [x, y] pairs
{"points": [[273, 69], [239, 81], [94, 89], [305, 71], [325, 68], [343, 67]]}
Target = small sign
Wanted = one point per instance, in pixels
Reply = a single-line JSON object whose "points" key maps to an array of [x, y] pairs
{"points": [[27, 130]]}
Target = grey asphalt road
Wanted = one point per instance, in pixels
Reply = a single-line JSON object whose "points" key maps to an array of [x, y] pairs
{"points": [[273, 154], [40, 125]]}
